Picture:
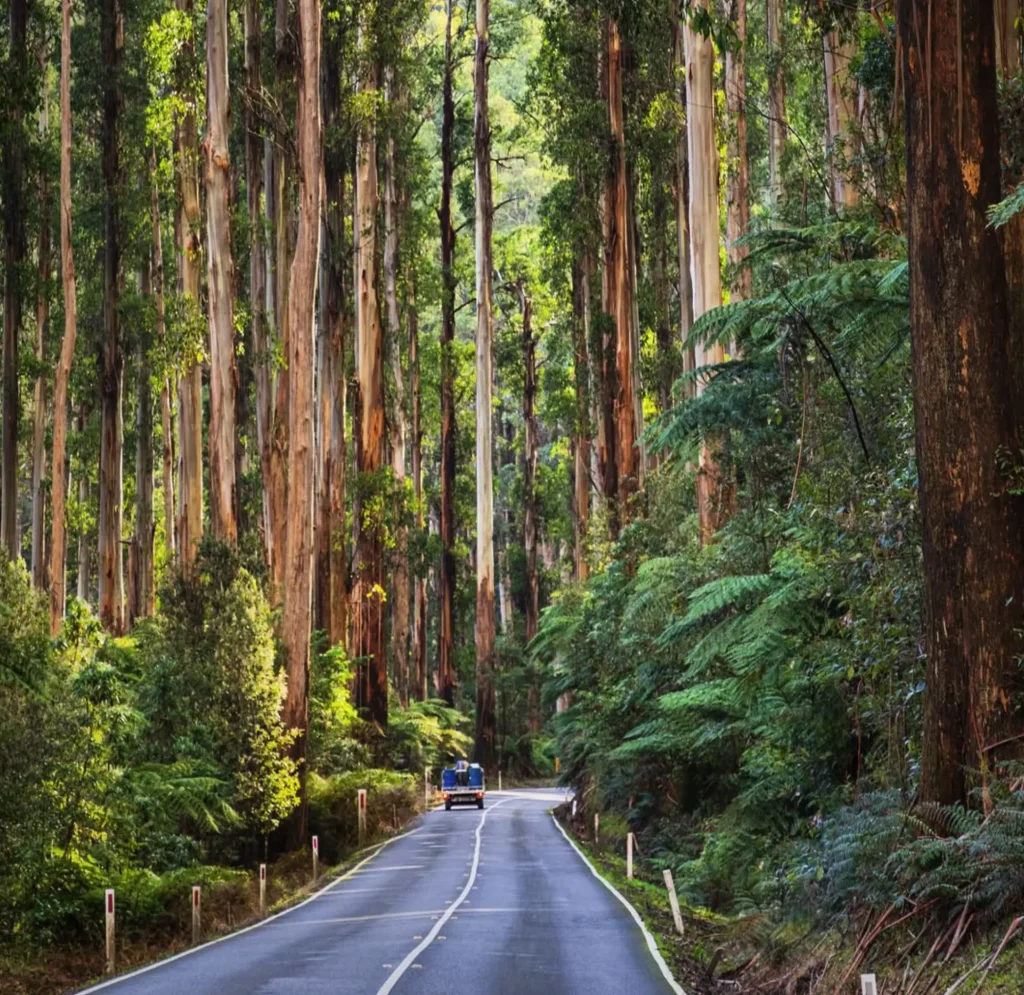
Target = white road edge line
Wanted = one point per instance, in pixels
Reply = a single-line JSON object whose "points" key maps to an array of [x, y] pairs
{"points": [[396, 974], [652, 944], [256, 925]]}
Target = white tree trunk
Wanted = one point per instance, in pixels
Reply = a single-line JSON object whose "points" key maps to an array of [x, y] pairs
{"points": [[220, 278]]}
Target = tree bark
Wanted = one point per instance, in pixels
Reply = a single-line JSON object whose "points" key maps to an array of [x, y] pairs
{"points": [[486, 621], [777, 129], [369, 643], [141, 573], [581, 273], [84, 579], [220, 278], [531, 515], [397, 425], [62, 376], [1008, 50], [713, 492], [111, 354], [738, 190], [682, 198], [277, 198], [531, 518], [257, 259], [335, 461], [967, 400], [419, 636], [839, 95], [298, 591], [190, 402], [166, 387], [13, 165], [446, 634], [659, 280], [43, 274], [618, 303]]}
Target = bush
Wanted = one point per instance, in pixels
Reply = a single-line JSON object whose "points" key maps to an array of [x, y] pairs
{"points": [[211, 693], [391, 799]]}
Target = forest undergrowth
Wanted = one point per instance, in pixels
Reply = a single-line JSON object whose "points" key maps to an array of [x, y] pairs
{"points": [[765, 747]]}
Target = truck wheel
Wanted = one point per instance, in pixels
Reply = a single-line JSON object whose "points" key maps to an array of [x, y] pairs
{"points": [[447, 806]]}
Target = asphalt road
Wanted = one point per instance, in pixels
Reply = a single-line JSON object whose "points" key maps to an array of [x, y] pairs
{"points": [[494, 902]]}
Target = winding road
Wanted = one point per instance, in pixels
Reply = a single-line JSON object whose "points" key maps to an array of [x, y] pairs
{"points": [[494, 902]]}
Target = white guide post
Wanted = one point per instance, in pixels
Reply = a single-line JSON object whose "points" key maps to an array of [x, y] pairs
{"points": [[263, 890], [629, 855], [674, 901], [362, 815], [426, 790], [499, 779], [574, 810], [196, 916], [110, 930], [868, 985], [316, 859], [597, 828]]}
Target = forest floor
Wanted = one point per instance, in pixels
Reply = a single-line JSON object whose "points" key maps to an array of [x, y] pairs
{"points": [[749, 955], [61, 969]]}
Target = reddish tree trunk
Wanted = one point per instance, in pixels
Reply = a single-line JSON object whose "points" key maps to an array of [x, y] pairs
{"points": [[618, 303], [111, 354], [39, 408], [369, 644], [967, 398], [713, 487], [13, 165], [335, 463]]}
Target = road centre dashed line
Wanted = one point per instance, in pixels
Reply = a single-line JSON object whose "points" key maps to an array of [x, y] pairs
{"points": [[256, 925], [428, 914], [411, 957]]}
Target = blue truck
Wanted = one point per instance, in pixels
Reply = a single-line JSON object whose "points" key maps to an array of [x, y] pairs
{"points": [[463, 784]]}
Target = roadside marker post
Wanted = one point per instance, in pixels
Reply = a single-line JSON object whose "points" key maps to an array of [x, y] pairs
{"points": [[868, 985], [362, 815], [263, 890], [597, 828], [499, 779], [426, 790], [673, 901], [574, 810], [316, 859], [110, 929], [629, 855], [196, 920]]}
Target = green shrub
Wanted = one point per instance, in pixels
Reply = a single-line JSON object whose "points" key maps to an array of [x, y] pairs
{"points": [[390, 800]]}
